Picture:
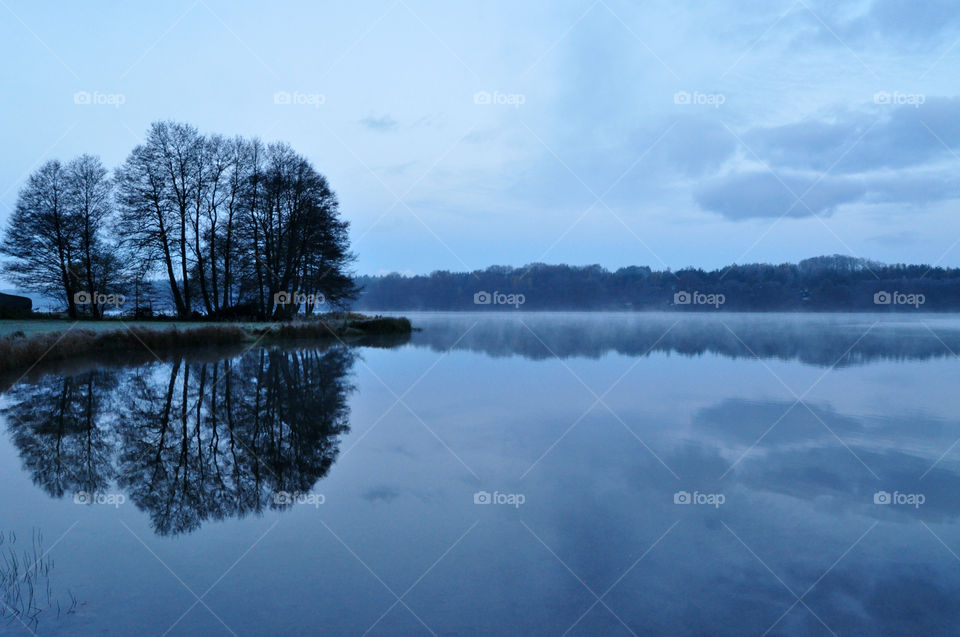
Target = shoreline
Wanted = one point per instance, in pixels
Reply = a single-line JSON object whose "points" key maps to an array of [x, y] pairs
{"points": [[21, 352]]}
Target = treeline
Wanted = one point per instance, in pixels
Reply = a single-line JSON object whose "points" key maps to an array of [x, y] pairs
{"points": [[829, 283], [232, 227]]}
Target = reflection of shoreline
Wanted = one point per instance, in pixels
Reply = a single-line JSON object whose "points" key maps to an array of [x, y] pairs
{"points": [[142, 356], [202, 438], [822, 341], [21, 353]]}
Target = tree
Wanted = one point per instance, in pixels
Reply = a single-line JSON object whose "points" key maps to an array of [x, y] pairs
{"points": [[234, 221], [154, 204], [89, 198], [38, 237]]}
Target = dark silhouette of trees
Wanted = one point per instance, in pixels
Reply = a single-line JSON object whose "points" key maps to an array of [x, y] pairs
{"points": [[228, 224], [830, 283], [233, 223]]}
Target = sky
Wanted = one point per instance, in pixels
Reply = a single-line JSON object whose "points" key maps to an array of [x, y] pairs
{"points": [[462, 135]]}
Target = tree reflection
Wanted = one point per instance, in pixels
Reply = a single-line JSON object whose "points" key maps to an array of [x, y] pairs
{"points": [[840, 340], [64, 431], [189, 440]]}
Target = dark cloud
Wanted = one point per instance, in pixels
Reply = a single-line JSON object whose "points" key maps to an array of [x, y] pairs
{"points": [[380, 124], [892, 153], [380, 494], [762, 194], [856, 142]]}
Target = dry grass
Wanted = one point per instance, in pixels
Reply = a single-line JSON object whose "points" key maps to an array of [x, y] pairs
{"points": [[19, 352]]}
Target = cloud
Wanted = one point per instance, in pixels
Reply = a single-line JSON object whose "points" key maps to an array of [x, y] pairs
{"points": [[907, 19], [747, 195], [907, 24], [380, 124], [380, 494], [888, 154], [860, 141]]}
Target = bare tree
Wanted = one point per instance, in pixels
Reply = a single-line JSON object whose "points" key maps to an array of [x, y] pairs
{"points": [[38, 237], [89, 197]]}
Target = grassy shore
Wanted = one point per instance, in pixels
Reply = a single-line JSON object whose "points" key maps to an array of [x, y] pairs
{"points": [[24, 343]]}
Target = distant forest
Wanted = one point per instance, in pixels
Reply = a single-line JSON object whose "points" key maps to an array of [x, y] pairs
{"points": [[827, 283]]}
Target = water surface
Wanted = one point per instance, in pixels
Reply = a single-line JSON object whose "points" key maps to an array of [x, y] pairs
{"points": [[505, 473]]}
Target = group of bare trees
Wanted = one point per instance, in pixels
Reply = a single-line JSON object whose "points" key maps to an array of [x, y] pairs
{"points": [[235, 228]]}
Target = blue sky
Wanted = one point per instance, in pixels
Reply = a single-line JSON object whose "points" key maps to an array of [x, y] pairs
{"points": [[461, 135]]}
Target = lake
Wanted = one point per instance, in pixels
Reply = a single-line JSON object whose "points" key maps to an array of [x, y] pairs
{"points": [[499, 474]]}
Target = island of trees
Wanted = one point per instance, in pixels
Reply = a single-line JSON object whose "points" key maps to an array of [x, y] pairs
{"points": [[231, 227], [828, 283]]}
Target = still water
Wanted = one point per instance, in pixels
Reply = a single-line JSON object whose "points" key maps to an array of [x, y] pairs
{"points": [[497, 474]]}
